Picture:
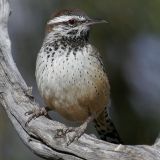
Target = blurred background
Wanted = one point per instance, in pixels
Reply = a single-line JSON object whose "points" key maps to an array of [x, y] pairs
{"points": [[130, 47]]}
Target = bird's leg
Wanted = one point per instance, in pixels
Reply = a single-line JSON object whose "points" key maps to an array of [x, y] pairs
{"points": [[37, 112], [78, 131]]}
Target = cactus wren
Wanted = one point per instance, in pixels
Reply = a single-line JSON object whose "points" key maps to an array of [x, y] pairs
{"points": [[71, 77]]}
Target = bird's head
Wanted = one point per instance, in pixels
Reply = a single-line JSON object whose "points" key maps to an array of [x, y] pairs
{"points": [[71, 23]]}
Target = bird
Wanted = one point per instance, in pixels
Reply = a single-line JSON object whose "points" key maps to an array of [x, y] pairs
{"points": [[71, 77]]}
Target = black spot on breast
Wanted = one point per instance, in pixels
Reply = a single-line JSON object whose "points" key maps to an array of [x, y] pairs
{"points": [[63, 48], [53, 54], [56, 47]]}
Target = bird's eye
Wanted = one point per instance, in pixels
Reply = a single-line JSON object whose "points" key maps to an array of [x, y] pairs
{"points": [[72, 21]]}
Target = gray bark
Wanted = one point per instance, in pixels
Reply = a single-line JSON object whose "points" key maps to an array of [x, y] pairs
{"points": [[38, 136]]}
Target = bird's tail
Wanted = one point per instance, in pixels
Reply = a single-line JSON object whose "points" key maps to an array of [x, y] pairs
{"points": [[106, 128]]}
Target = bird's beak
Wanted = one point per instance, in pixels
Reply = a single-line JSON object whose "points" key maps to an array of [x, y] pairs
{"points": [[95, 21]]}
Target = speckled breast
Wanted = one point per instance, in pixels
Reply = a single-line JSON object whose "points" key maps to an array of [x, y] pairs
{"points": [[76, 86]]}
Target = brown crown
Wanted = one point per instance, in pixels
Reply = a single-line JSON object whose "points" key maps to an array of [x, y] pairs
{"points": [[76, 12]]}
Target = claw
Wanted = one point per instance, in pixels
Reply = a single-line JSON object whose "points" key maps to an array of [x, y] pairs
{"points": [[78, 131], [28, 93], [28, 113], [35, 113], [62, 132]]}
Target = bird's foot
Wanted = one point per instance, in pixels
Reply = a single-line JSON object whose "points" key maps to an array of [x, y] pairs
{"points": [[35, 113], [77, 132]]}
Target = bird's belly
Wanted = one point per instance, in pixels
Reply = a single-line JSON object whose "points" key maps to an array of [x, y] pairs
{"points": [[75, 89]]}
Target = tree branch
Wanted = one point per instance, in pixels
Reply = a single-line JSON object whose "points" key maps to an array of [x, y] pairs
{"points": [[39, 134]]}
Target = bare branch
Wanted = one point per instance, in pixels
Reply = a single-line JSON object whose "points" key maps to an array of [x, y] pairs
{"points": [[39, 135]]}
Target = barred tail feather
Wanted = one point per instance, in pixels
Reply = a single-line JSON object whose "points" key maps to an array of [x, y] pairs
{"points": [[106, 128]]}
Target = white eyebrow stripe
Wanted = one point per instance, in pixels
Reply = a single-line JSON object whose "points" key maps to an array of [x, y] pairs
{"points": [[64, 19]]}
